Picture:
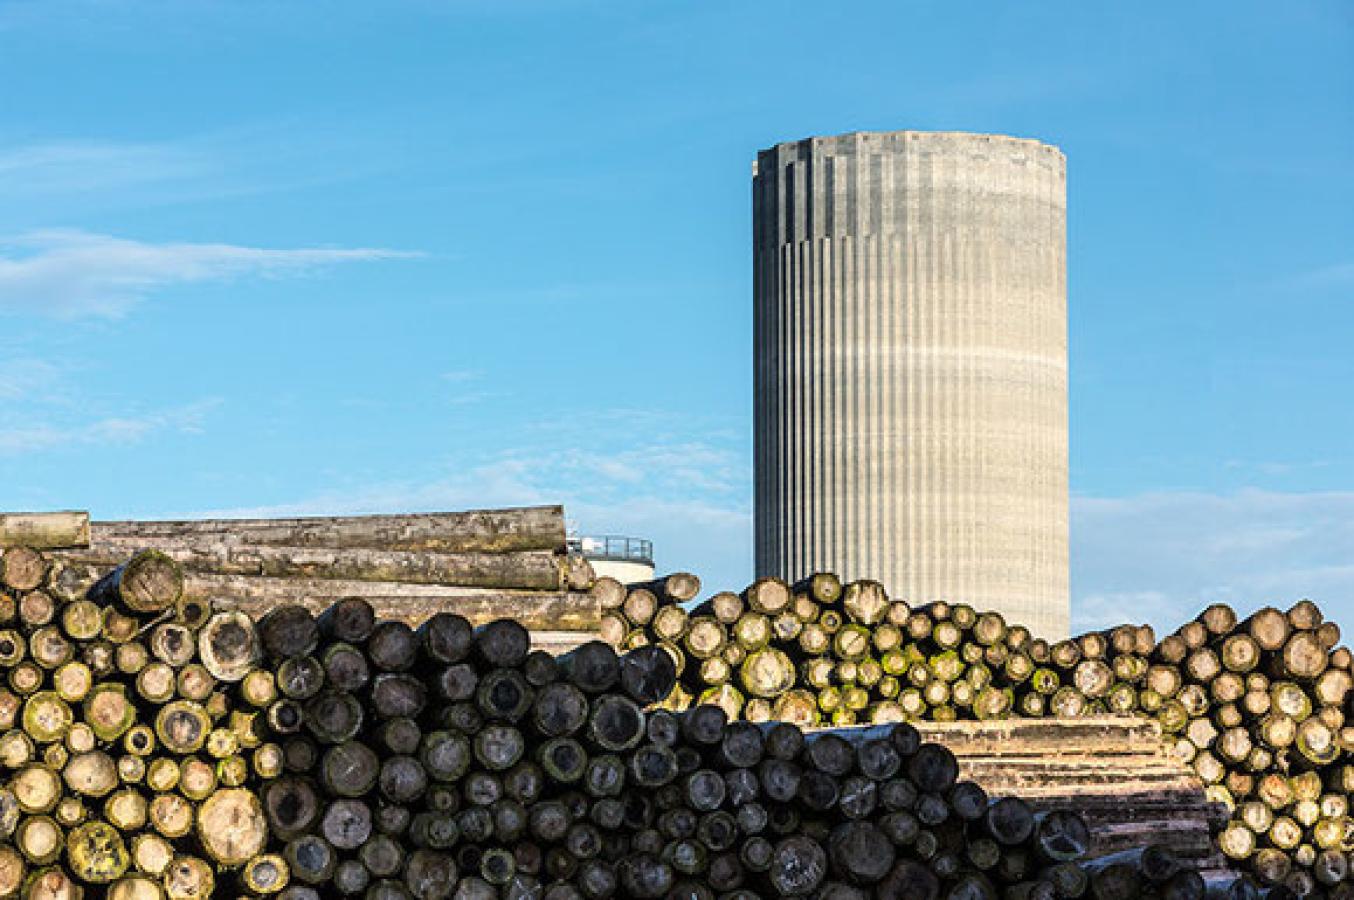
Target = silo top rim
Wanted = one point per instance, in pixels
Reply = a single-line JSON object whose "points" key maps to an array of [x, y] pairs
{"points": [[967, 137]]}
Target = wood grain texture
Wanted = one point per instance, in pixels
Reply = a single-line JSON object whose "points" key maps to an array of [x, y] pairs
{"points": [[44, 530], [527, 570], [481, 530], [1113, 770], [550, 611]]}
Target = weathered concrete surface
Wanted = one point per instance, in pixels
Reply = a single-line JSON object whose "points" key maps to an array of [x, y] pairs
{"points": [[911, 367]]}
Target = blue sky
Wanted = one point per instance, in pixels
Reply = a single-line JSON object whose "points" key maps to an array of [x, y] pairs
{"points": [[351, 257]]}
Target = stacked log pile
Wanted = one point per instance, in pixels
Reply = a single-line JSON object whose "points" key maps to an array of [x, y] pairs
{"points": [[1258, 709], [486, 564], [130, 736], [453, 761], [157, 748], [1112, 770]]}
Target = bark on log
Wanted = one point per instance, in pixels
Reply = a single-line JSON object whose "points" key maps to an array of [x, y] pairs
{"points": [[539, 570], [44, 530], [488, 531], [548, 610]]}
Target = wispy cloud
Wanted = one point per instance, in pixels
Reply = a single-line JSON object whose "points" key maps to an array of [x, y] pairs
{"points": [[68, 274], [1272, 468], [124, 429], [1337, 276], [74, 175], [25, 378], [1162, 557]]}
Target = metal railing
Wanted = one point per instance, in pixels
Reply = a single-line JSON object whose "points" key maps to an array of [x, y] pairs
{"points": [[614, 547]]}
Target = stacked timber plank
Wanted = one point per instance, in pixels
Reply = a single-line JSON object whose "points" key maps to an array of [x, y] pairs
{"points": [[1114, 770], [44, 531], [1261, 710], [485, 564], [158, 750]]}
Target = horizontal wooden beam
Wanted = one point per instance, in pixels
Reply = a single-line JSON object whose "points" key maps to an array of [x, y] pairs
{"points": [[44, 530], [481, 530], [541, 570], [569, 612], [566, 611]]}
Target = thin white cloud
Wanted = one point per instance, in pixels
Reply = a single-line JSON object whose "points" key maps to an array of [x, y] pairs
{"points": [[16, 440], [1336, 276], [69, 178], [24, 377], [1162, 557], [68, 274]]}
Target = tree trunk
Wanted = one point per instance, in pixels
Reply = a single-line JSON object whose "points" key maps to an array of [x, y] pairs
{"points": [[44, 531], [489, 531]]}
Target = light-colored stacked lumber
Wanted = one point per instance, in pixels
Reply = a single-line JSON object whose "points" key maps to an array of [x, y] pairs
{"points": [[485, 564], [44, 530], [1113, 770]]}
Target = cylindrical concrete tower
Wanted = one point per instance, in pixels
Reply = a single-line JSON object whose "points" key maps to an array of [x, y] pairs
{"points": [[911, 367]]}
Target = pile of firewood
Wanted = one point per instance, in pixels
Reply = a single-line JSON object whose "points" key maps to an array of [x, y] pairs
{"points": [[131, 737], [486, 564], [1260, 709]]}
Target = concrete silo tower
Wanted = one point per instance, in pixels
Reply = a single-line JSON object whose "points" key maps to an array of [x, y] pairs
{"points": [[911, 367]]}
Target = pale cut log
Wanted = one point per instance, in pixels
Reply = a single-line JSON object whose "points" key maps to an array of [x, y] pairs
{"points": [[150, 581], [53, 884], [228, 646], [22, 568], [151, 853], [578, 573], [44, 530], [678, 587], [92, 774], [189, 878], [231, 826], [39, 839], [560, 642], [551, 610], [12, 871], [608, 592], [865, 602], [541, 570], [135, 887], [485, 530]]}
